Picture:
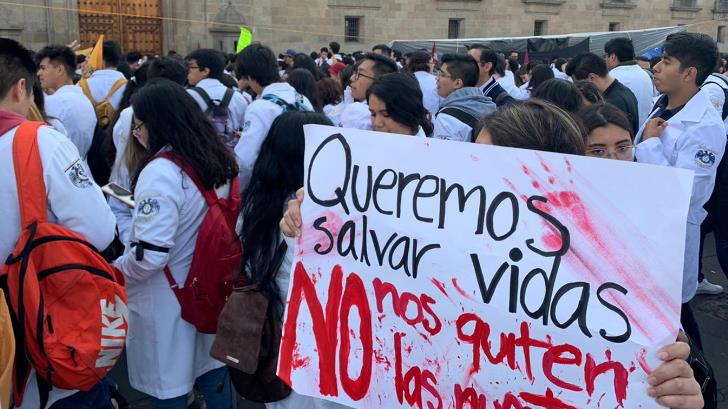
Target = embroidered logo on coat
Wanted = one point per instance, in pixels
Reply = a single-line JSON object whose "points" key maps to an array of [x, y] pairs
{"points": [[148, 207], [705, 158], [77, 175]]}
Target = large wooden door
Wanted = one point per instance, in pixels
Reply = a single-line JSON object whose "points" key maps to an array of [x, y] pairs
{"points": [[131, 23]]}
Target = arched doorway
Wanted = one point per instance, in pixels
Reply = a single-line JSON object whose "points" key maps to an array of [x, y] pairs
{"points": [[131, 23]]}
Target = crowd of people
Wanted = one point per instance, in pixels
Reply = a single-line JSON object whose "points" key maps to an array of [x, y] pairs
{"points": [[233, 124]]}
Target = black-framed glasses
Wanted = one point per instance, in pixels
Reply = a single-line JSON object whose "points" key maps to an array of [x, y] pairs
{"points": [[359, 74], [136, 130], [193, 67]]}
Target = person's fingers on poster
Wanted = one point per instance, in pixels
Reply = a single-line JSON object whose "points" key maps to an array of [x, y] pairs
{"points": [[672, 383], [291, 222], [654, 128]]}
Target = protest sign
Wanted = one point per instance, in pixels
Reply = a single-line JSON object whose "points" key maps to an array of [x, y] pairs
{"points": [[434, 274]]}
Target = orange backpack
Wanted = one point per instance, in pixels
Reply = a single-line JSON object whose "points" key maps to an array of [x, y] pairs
{"points": [[67, 304]]}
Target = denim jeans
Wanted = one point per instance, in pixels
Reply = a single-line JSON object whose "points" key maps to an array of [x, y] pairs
{"points": [[98, 397], [216, 390]]}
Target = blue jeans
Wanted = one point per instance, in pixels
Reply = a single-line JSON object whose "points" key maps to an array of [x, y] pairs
{"points": [[98, 397], [216, 390]]}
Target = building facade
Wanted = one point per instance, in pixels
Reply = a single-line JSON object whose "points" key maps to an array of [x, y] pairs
{"points": [[158, 26]]}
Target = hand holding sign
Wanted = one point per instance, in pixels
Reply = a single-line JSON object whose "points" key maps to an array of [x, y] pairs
{"points": [[422, 269]]}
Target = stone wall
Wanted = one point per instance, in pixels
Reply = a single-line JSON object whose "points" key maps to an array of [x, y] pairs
{"points": [[306, 25], [36, 25]]}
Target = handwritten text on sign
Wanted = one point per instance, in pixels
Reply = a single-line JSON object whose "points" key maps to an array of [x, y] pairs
{"points": [[433, 274]]}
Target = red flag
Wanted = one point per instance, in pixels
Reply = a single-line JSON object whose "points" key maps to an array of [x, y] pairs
{"points": [[525, 59], [434, 53]]}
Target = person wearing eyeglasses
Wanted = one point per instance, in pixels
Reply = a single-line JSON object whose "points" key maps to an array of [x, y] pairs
{"points": [[166, 354], [464, 103], [356, 115], [608, 132], [205, 68]]}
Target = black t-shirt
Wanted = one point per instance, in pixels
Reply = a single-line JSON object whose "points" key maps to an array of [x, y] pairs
{"points": [[621, 97], [663, 112]]}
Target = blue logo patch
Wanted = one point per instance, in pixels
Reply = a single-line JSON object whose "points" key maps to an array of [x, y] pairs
{"points": [[705, 158], [148, 207]]}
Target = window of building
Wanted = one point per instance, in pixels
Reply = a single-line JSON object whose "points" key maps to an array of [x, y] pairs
{"points": [[721, 34], [721, 5], [453, 28], [539, 27], [685, 3], [351, 29], [618, 3], [614, 26]]}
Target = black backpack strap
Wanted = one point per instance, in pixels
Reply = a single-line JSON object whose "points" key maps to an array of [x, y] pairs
{"points": [[719, 77], [227, 98], [724, 112], [461, 116], [204, 95], [280, 102]]}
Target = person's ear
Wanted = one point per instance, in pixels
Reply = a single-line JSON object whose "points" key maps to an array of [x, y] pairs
{"points": [[458, 83], [690, 74], [19, 92], [488, 67], [205, 71]]}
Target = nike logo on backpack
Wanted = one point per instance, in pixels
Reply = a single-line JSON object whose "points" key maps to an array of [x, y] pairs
{"points": [[114, 325]]}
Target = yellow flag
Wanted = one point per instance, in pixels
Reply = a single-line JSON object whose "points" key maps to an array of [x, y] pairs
{"points": [[96, 59], [246, 37]]}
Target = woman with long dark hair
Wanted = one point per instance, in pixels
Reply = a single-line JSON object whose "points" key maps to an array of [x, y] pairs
{"points": [[305, 84], [167, 356], [278, 172], [395, 102]]}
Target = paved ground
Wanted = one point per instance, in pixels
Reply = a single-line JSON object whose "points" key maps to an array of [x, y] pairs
{"points": [[711, 312]]}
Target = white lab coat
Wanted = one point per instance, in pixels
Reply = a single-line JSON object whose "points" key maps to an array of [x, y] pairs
{"points": [[523, 92], [356, 116], [216, 90], [120, 174], [450, 128], [165, 353], [714, 85], [430, 99], [333, 112], [74, 202], [259, 117], [509, 85], [100, 83], [694, 139], [69, 105], [639, 82]]}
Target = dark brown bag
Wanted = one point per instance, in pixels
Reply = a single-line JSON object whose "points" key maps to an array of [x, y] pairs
{"points": [[248, 338]]}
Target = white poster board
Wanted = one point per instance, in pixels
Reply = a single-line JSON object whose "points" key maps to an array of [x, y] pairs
{"points": [[434, 274]]}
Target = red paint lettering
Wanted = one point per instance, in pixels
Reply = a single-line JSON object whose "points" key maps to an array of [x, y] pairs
{"points": [[555, 355], [548, 401], [324, 329], [469, 396], [592, 371], [355, 295]]}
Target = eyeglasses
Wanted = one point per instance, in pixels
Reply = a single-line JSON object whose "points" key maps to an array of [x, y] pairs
{"points": [[442, 74], [621, 152], [137, 130], [359, 74], [193, 67]]}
